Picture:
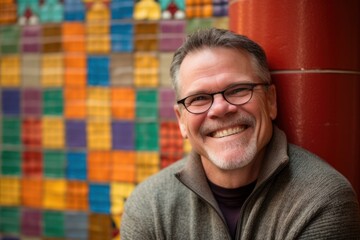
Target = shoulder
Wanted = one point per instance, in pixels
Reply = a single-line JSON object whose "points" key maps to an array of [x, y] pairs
{"points": [[155, 196], [313, 174]]}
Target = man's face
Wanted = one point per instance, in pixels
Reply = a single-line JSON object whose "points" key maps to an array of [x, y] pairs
{"points": [[228, 136]]}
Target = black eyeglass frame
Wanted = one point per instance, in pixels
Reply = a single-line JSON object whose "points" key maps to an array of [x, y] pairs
{"points": [[251, 85]]}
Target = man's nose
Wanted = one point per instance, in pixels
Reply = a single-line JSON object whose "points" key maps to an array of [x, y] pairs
{"points": [[220, 106]]}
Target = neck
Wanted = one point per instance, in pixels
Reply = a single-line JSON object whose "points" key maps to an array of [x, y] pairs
{"points": [[233, 178]]}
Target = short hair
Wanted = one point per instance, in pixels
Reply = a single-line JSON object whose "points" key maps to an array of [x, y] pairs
{"points": [[212, 38]]}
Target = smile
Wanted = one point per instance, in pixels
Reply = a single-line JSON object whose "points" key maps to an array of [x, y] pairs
{"points": [[228, 132]]}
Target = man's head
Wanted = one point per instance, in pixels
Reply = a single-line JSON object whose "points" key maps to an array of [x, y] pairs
{"points": [[211, 38], [225, 108]]}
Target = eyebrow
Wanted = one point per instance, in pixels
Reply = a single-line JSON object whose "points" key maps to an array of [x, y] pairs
{"points": [[195, 92]]}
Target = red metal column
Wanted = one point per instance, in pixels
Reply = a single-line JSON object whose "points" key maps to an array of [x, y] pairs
{"points": [[313, 47]]}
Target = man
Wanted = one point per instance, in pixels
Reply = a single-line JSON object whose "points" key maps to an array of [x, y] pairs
{"points": [[242, 179]]}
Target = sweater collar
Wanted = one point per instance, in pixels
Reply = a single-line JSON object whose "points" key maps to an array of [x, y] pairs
{"points": [[193, 175]]}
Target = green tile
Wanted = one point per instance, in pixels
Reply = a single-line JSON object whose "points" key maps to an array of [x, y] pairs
{"points": [[196, 23], [53, 224], [53, 102], [147, 136], [10, 163], [54, 164], [9, 220], [147, 104], [11, 131], [9, 39]]}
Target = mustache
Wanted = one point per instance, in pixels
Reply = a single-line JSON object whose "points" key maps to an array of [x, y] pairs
{"points": [[242, 119]]}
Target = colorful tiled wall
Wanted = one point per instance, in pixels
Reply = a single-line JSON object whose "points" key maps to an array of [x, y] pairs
{"points": [[87, 108]]}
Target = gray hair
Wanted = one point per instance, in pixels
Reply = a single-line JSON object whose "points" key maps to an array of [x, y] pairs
{"points": [[213, 37]]}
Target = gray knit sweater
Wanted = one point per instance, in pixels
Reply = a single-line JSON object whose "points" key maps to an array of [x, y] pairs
{"points": [[297, 196]]}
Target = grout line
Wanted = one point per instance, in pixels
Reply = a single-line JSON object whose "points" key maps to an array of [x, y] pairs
{"points": [[315, 71]]}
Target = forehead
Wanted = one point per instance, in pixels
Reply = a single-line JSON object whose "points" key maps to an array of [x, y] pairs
{"points": [[214, 69]]}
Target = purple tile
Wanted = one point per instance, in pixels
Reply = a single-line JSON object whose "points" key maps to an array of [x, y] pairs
{"points": [[10, 101], [166, 104], [123, 135], [31, 222], [172, 34], [75, 134], [172, 26], [31, 38], [31, 100]]}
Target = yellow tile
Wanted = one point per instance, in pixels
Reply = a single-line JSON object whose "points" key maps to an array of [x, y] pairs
{"points": [[98, 103], [146, 72], [143, 172], [121, 189], [52, 70], [10, 71], [147, 9], [98, 44], [119, 193], [99, 11], [147, 158], [55, 194], [53, 133], [117, 206], [187, 146], [98, 134], [9, 191]]}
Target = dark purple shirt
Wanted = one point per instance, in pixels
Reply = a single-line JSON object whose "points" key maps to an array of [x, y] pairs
{"points": [[230, 201]]}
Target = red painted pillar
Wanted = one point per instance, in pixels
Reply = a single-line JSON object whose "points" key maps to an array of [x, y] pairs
{"points": [[313, 47]]}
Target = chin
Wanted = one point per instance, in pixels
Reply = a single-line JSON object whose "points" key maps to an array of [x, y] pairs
{"points": [[230, 164], [236, 155]]}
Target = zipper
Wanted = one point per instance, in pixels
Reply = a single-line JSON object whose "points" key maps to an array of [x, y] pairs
{"points": [[256, 191], [212, 206]]}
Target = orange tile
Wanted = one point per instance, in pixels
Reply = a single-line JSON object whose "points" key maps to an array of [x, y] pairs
{"points": [[123, 166], [31, 192], [73, 34], [199, 11], [75, 70], [123, 103], [77, 195], [99, 166], [75, 102]]}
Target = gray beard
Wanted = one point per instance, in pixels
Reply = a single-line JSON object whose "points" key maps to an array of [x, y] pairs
{"points": [[238, 161]]}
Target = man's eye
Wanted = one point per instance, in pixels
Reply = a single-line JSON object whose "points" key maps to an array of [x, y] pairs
{"points": [[198, 99], [237, 91]]}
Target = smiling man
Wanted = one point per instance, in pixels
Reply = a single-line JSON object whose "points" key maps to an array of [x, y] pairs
{"points": [[242, 179]]}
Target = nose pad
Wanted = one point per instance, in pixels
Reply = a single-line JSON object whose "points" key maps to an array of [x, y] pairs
{"points": [[220, 106]]}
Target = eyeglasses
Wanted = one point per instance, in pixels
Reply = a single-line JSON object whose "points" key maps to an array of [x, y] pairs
{"points": [[236, 95]]}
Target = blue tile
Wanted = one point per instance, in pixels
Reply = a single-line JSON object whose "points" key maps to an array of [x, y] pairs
{"points": [[122, 9], [76, 225], [98, 70], [99, 198], [76, 166]]}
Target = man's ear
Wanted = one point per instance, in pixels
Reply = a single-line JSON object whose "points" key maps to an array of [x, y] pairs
{"points": [[271, 99], [180, 121]]}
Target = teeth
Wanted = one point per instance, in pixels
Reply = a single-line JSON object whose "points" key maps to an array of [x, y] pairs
{"points": [[228, 132]]}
